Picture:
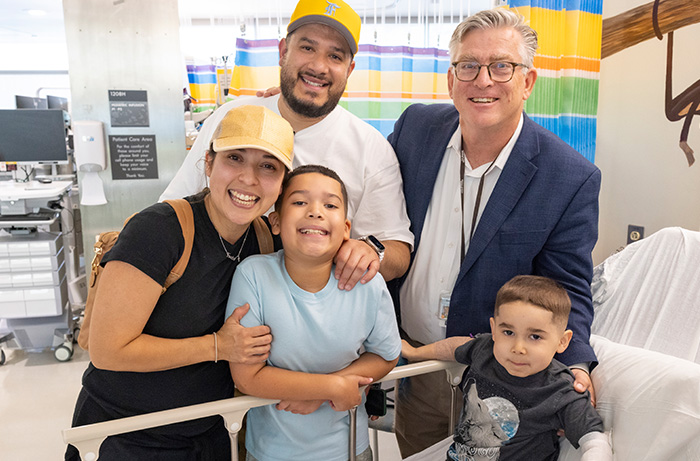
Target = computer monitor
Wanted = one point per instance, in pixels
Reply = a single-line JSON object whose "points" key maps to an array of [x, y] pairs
{"points": [[56, 102], [33, 136], [27, 102]]}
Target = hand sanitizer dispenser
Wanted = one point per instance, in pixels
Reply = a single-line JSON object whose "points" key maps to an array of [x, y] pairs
{"points": [[90, 158]]}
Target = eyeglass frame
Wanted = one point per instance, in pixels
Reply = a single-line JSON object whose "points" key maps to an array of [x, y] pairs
{"points": [[513, 64]]}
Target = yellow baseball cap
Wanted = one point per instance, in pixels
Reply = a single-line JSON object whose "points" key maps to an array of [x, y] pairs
{"points": [[256, 127], [334, 13]]}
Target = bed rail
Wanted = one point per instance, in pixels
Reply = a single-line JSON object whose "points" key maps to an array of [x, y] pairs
{"points": [[87, 439]]}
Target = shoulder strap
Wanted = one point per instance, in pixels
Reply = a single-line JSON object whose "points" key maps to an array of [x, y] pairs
{"points": [[262, 232], [183, 210]]}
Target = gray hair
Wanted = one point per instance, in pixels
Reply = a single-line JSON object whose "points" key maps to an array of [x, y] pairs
{"points": [[495, 19]]}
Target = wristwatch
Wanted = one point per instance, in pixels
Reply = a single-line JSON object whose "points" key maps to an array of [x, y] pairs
{"points": [[375, 244]]}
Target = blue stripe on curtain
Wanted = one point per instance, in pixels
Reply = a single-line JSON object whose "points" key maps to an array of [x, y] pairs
{"points": [[578, 132], [587, 6]]}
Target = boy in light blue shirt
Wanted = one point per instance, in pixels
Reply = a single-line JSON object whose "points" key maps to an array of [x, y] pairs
{"points": [[327, 342]]}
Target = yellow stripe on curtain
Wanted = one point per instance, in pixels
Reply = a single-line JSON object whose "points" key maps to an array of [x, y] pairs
{"points": [[565, 98]]}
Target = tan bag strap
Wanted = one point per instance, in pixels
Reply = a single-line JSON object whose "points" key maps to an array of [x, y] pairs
{"points": [[262, 232], [183, 210]]}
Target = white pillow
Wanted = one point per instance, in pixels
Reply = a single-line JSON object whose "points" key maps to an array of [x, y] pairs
{"points": [[650, 403]]}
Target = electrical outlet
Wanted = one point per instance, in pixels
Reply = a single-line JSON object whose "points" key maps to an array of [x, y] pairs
{"points": [[634, 233]]}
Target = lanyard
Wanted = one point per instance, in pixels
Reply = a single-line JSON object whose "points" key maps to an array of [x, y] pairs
{"points": [[477, 203]]}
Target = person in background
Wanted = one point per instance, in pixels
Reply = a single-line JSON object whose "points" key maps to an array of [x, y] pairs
{"points": [[152, 351], [328, 342], [316, 59], [516, 395], [490, 195]]}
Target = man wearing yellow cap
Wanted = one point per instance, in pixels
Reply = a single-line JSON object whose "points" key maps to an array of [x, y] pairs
{"points": [[316, 59]]}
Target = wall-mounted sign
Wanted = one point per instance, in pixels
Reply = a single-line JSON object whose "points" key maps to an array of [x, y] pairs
{"points": [[128, 108], [133, 156]]}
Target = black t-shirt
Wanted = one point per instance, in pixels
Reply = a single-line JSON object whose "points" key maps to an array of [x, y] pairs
{"points": [[152, 242], [517, 416]]}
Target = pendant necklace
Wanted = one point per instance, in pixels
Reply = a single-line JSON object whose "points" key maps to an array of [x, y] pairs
{"points": [[236, 258]]}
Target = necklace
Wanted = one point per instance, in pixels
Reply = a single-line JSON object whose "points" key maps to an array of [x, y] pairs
{"points": [[236, 258]]}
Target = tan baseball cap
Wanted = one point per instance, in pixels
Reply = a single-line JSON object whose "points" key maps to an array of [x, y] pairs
{"points": [[256, 127], [334, 13]]}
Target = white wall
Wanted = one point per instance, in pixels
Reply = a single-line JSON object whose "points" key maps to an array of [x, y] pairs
{"points": [[646, 178], [26, 68], [127, 46]]}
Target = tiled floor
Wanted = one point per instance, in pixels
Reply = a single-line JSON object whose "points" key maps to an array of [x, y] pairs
{"points": [[37, 395]]}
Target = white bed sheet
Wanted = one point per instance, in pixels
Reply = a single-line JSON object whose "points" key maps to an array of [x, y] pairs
{"points": [[648, 295]]}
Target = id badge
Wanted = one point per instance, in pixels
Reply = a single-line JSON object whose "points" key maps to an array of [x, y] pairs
{"points": [[443, 308]]}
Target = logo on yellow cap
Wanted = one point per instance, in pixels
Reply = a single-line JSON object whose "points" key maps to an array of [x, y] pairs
{"points": [[330, 9], [336, 14]]}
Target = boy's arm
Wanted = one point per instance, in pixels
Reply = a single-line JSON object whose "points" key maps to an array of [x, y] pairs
{"points": [[595, 446], [262, 380], [368, 364], [439, 350]]}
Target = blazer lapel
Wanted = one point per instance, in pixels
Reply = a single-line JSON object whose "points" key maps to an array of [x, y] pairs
{"points": [[515, 177], [428, 161]]}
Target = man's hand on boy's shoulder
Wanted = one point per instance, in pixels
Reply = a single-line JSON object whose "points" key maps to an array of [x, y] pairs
{"points": [[583, 383], [355, 262]]}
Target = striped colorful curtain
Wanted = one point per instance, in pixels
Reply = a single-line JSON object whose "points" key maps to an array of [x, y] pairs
{"points": [[387, 79], [207, 84], [565, 98]]}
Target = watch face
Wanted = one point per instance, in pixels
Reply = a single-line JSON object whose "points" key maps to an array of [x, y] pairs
{"points": [[375, 241]]}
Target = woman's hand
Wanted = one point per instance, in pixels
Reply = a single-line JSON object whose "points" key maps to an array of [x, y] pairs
{"points": [[238, 344]]}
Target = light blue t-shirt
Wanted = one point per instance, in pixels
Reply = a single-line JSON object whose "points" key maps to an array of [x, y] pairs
{"points": [[317, 333]]}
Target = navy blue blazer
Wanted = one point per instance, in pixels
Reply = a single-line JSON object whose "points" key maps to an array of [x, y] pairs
{"points": [[542, 219]]}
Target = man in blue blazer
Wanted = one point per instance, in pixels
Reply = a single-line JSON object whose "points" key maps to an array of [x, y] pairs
{"points": [[490, 195]]}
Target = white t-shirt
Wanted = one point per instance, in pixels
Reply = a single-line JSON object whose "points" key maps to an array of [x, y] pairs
{"points": [[315, 333], [355, 150], [437, 261]]}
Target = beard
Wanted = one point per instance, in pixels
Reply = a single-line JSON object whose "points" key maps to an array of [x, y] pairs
{"points": [[307, 108]]}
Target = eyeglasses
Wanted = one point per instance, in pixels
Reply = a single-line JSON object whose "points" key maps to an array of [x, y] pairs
{"points": [[499, 71]]}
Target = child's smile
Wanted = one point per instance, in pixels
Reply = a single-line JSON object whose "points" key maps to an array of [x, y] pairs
{"points": [[311, 221], [312, 230]]}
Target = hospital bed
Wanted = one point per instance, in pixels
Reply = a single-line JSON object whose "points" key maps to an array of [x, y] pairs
{"points": [[647, 337], [646, 334]]}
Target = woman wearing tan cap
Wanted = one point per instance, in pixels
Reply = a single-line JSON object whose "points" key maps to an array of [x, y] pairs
{"points": [[152, 350]]}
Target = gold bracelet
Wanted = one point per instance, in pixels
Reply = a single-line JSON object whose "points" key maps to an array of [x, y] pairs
{"points": [[216, 348]]}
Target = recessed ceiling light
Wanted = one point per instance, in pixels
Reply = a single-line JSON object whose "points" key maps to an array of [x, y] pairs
{"points": [[36, 12]]}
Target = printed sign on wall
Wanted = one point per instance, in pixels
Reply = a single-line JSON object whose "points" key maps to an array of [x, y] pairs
{"points": [[133, 156], [128, 108]]}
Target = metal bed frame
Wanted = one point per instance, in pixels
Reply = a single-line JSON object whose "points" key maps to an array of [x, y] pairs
{"points": [[87, 439]]}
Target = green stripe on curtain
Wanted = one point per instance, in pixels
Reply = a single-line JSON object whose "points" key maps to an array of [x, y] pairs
{"points": [[564, 95]]}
